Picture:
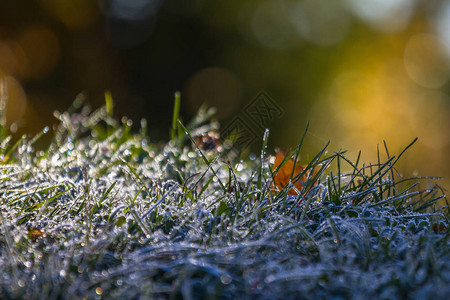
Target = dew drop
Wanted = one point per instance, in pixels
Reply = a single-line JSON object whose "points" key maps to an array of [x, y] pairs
{"points": [[225, 279], [99, 291]]}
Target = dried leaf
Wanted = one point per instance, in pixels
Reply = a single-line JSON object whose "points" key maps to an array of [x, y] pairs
{"points": [[34, 234], [283, 176], [208, 141], [439, 228]]}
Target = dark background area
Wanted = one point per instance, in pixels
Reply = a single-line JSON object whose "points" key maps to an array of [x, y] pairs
{"points": [[362, 71]]}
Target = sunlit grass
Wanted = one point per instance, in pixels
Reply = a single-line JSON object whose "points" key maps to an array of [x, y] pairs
{"points": [[102, 212]]}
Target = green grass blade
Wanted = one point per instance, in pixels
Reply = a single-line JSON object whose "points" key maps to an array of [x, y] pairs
{"points": [[176, 115]]}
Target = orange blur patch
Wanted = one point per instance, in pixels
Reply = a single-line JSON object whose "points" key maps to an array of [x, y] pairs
{"points": [[39, 52], [16, 100], [8, 59], [283, 176]]}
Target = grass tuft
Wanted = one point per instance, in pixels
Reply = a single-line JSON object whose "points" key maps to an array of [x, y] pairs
{"points": [[102, 212]]}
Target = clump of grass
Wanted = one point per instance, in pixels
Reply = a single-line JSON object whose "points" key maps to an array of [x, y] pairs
{"points": [[104, 212]]}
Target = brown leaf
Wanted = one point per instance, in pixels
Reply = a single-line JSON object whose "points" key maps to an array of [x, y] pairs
{"points": [[282, 177], [439, 228], [208, 141], [34, 234]]}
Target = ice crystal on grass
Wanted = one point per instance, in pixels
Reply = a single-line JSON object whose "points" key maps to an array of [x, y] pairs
{"points": [[116, 217]]}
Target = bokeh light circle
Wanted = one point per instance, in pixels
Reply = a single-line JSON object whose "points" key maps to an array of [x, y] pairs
{"points": [[271, 25], [442, 25], [426, 61], [320, 22], [383, 15]]}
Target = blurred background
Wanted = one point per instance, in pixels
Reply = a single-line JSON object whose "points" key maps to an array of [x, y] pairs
{"points": [[362, 71]]}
